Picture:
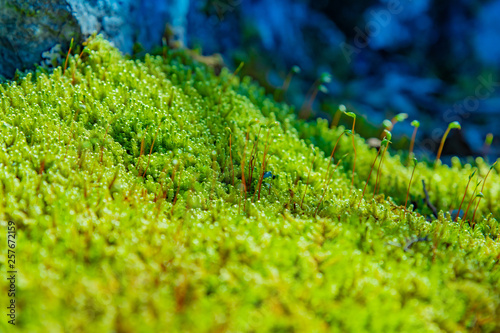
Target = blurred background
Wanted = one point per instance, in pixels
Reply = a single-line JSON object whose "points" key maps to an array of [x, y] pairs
{"points": [[436, 61]]}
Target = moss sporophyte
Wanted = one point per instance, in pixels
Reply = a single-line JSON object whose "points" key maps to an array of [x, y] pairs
{"points": [[132, 186], [286, 83], [388, 137], [451, 126], [318, 86], [416, 125]]}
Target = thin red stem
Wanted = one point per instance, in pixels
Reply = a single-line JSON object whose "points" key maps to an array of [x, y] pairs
{"points": [[243, 174], [151, 150], [231, 159], [461, 203], [326, 188], [66, 62], [307, 182], [470, 202], [379, 170], [252, 158], [263, 163], [369, 176], [353, 147], [412, 144], [331, 155], [409, 185], [438, 157], [479, 201]]}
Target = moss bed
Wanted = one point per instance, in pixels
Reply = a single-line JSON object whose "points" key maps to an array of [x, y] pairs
{"points": [[124, 180]]}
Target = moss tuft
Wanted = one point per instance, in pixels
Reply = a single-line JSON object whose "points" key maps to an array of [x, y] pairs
{"points": [[135, 187]]}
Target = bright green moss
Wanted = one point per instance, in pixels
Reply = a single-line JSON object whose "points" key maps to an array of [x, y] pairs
{"points": [[111, 238]]}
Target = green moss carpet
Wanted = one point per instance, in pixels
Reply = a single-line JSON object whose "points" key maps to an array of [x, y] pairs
{"points": [[133, 214]]}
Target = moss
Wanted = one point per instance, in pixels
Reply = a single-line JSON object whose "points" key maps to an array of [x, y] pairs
{"points": [[113, 238]]}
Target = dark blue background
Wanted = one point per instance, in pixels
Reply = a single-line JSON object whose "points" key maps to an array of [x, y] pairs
{"points": [[430, 59]]}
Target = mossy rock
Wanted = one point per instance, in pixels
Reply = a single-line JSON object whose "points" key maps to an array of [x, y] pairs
{"points": [[124, 180]]}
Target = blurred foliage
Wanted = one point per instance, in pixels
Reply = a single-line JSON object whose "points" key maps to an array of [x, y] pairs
{"points": [[386, 57]]}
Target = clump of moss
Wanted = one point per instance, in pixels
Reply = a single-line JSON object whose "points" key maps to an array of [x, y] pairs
{"points": [[136, 211]]}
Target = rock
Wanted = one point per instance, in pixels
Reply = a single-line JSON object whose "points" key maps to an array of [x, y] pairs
{"points": [[28, 29]]}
